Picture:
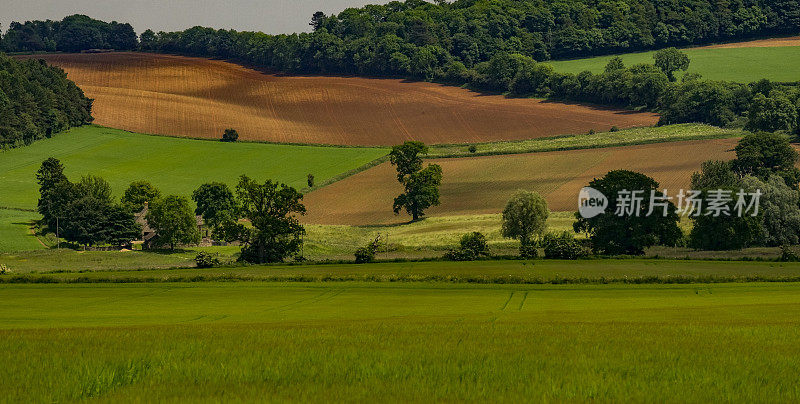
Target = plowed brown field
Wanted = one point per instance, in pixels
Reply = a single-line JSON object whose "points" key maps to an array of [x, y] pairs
{"points": [[760, 43], [481, 185], [180, 96]]}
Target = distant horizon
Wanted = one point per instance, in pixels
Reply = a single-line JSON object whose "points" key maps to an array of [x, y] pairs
{"points": [[268, 16]]}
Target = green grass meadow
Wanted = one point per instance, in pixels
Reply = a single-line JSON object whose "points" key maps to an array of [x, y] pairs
{"points": [[734, 64], [211, 342], [176, 166], [15, 233]]}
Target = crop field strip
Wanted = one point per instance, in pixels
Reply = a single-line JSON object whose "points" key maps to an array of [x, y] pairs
{"points": [[481, 185], [256, 341], [776, 59], [180, 96]]}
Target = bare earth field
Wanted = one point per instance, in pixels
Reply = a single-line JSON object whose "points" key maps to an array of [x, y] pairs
{"points": [[481, 185], [180, 96]]}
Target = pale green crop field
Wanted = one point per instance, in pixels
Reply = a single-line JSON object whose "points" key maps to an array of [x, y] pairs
{"points": [[315, 342], [734, 64]]}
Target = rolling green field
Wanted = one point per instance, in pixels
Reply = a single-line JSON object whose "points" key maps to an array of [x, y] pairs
{"points": [[735, 64], [176, 166], [210, 342]]}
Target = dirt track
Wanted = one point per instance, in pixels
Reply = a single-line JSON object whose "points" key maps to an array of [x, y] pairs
{"points": [[481, 185], [179, 96]]}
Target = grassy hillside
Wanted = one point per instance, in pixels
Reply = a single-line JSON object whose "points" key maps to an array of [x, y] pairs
{"points": [[176, 166], [344, 341], [743, 64]]}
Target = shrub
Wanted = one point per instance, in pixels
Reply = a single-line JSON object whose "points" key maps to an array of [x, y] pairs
{"points": [[528, 251], [563, 246], [4, 269], [310, 180], [473, 149], [472, 246], [614, 129], [206, 260], [789, 254], [230, 135], [591, 132], [367, 253]]}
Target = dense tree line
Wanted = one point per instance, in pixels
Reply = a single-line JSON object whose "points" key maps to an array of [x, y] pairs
{"points": [[72, 34], [37, 101], [650, 87], [412, 35]]}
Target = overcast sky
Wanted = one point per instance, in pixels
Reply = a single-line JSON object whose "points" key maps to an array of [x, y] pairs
{"points": [[270, 16]]}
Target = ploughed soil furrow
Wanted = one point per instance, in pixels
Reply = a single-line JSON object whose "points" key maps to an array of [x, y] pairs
{"points": [[480, 185], [194, 97]]}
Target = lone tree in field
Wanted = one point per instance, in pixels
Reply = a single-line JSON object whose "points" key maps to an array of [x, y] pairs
{"points": [[524, 217], [670, 60], [139, 193], [230, 135], [173, 221], [271, 208], [421, 184], [636, 229]]}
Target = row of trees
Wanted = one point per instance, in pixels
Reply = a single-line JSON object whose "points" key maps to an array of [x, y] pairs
{"points": [[37, 101], [84, 212], [262, 217], [651, 87], [74, 33], [414, 35], [764, 162]]}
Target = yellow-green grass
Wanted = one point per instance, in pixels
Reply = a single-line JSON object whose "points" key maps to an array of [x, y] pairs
{"points": [[15, 231], [734, 64], [176, 166], [624, 137], [400, 342]]}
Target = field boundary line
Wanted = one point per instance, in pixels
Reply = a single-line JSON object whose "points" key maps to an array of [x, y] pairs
{"points": [[570, 148], [349, 173]]}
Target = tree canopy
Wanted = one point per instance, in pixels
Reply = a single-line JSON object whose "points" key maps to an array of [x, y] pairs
{"points": [[37, 101], [631, 232], [421, 185]]}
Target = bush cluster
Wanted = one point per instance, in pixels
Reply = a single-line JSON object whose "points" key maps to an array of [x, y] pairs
{"points": [[471, 247], [206, 260], [563, 246]]}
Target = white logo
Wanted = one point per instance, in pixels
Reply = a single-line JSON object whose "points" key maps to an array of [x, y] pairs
{"points": [[591, 202]]}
